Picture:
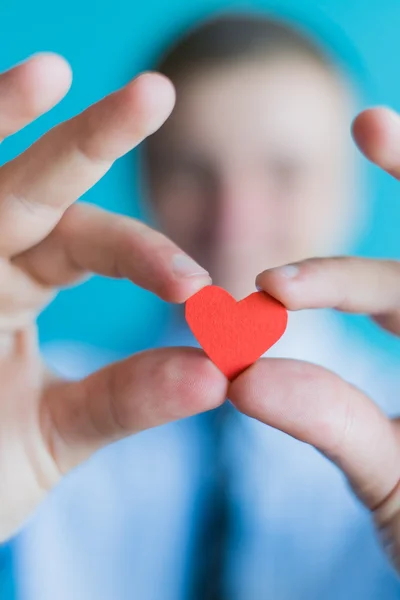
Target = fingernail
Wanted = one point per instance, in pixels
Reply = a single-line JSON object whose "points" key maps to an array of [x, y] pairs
{"points": [[184, 266], [288, 271]]}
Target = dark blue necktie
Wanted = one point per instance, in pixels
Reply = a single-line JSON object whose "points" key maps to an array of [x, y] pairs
{"points": [[210, 554], [7, 579]]}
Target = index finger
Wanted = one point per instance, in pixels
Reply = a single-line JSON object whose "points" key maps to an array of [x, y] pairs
{"points": [[349, 284], [38, 186]]}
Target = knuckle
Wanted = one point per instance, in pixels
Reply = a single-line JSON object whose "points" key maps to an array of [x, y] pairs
{"points": [[170, 376], [190, 383]]}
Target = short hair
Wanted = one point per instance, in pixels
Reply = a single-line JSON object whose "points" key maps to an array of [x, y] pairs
{"points": [[229, 39]]}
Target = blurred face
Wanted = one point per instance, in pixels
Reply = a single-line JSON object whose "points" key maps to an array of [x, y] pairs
{"points": [[255, 168]]}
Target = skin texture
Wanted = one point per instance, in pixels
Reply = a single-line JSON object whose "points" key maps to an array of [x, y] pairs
{"points": [[47, 427]]}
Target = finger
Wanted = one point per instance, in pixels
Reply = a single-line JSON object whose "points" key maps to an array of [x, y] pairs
{"points": [[377, 134], [18, 291], [354, 285], [31, 89], [88, 239], [147, 390], [317, 407], [38, 186]]}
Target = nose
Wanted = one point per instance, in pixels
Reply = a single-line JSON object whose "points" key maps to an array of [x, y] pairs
{"points": [[241, 209]]}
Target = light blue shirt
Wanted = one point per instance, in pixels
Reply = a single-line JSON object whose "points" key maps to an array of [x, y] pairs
{"points": [[122, 525]]}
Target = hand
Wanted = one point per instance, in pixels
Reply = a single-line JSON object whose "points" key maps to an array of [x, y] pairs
{"points": [[46, 426], [311, 403]]}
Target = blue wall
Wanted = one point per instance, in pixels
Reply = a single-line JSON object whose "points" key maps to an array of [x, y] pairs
{"points": [[106, 43]]}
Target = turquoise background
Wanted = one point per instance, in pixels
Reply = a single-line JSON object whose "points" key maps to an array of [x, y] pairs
{"points": [[107, 43]]}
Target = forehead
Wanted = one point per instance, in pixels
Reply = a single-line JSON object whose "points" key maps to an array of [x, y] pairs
{"points": [[288, 103]]}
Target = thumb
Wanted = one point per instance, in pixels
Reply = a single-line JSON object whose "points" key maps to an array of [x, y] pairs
{"points": [[144, 391], [315, 406]]}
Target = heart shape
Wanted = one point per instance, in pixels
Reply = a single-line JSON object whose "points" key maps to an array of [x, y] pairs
{"points": [[235, 334]]}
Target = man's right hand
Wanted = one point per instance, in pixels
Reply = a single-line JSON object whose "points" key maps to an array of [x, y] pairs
{"points": [[47, 426]]}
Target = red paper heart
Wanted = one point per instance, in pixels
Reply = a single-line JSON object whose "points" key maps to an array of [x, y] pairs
{"points": [[235, 334]]}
